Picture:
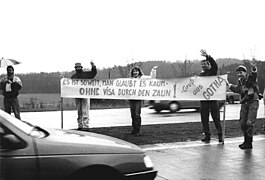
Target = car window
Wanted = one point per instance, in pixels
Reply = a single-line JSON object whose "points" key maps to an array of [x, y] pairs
{"points": [[6, 136]]}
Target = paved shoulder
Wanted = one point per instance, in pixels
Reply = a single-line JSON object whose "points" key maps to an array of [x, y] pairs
{"points": [[196, 160]]}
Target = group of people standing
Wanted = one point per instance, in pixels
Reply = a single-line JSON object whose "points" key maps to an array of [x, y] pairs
{"points": [[247, 88]]}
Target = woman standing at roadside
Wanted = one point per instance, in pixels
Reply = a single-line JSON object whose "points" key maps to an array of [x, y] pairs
{"points": [[136, 105]]}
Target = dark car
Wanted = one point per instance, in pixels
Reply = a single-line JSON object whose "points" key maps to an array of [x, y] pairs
{"points": [[231, 97], [31, 152], [176, 105]]}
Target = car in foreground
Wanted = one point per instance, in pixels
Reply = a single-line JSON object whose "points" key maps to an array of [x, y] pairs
{"points": [[176, 105], [31, 152], [231, 97]]}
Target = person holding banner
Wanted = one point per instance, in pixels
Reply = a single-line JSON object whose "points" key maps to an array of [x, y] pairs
{"points": [[209, 68], [136, 105], [249, 99], [83, 104]]}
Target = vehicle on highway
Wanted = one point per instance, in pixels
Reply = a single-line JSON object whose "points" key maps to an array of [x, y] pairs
{"points": [[231, 97], [176, 105], [32, 152]]}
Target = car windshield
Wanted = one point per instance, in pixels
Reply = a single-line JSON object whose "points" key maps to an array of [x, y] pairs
{"points": [[24, 126]]}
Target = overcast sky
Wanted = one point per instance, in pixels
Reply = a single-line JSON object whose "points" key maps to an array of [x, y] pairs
{"points": [[51, 35]]}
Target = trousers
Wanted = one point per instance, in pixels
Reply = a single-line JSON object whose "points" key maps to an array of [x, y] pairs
{"points": [[248, 116], [135, 108], [212, 107], [12, 103], [83, 106]]}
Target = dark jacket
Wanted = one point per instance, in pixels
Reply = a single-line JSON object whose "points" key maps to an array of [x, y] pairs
{"points": [[86, 74], [213, 70], [247, 88], [16, 85]]}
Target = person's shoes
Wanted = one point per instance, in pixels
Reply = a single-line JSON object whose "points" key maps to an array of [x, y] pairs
{"points": [[207, 138], [245, 139], [247, 144], [220, 137], [82, 129], [241, 145]]}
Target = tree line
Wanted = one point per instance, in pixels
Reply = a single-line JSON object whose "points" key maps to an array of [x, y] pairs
{"points": [[50, 82]]}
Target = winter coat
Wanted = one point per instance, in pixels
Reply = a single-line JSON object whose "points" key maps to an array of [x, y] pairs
{"points": [[16, 85], [247, 88], [213, 70], [86, 74]]}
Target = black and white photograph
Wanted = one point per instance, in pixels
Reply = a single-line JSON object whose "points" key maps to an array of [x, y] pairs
{"points": [[121, 89]]}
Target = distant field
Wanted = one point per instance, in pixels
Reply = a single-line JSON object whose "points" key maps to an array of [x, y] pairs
{"points": [[41, 102], [52, 102]]}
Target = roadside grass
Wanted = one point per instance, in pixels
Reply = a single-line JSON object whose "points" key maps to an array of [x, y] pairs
{"points": [[177, 132]]}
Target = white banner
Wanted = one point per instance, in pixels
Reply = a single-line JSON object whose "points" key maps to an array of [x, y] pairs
{"points": [[191, 88]]}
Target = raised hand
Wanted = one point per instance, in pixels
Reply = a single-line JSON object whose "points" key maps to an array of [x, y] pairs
{"points": [[204, 53], [92, 63]]}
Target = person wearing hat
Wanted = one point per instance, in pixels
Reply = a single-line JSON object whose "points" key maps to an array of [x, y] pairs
{"points": [[249, 99], [10, 85], [83, 104], [209, 68]]}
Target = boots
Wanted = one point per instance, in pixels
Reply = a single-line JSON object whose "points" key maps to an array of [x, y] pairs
{"points": [[220, 137], [248, 143], [207, 138], [245, 137]]}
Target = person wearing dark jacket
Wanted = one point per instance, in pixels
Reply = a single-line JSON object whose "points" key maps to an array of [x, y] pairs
{"points": [[136, 105], [83, 104], [249, 99], [10, 85], [210, 68]]}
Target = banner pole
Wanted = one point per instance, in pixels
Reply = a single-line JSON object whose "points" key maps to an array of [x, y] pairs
{"points": [[224, 122], [61, 76], [61, 113], [264, 110]]}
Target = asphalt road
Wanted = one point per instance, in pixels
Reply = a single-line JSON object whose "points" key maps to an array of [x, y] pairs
{"points": [[181, 160], [121, 117], [214, 161]]}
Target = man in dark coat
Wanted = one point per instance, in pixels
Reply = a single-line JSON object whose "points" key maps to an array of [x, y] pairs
{"points": [[210, 68]]}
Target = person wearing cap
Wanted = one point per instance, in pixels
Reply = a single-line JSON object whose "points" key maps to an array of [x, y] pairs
{"points": [[249, 99], [10, 85], [209, 68], [83, 104]]}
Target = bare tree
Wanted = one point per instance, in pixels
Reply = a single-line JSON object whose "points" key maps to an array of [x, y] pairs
{"points": [[185, 68]]}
